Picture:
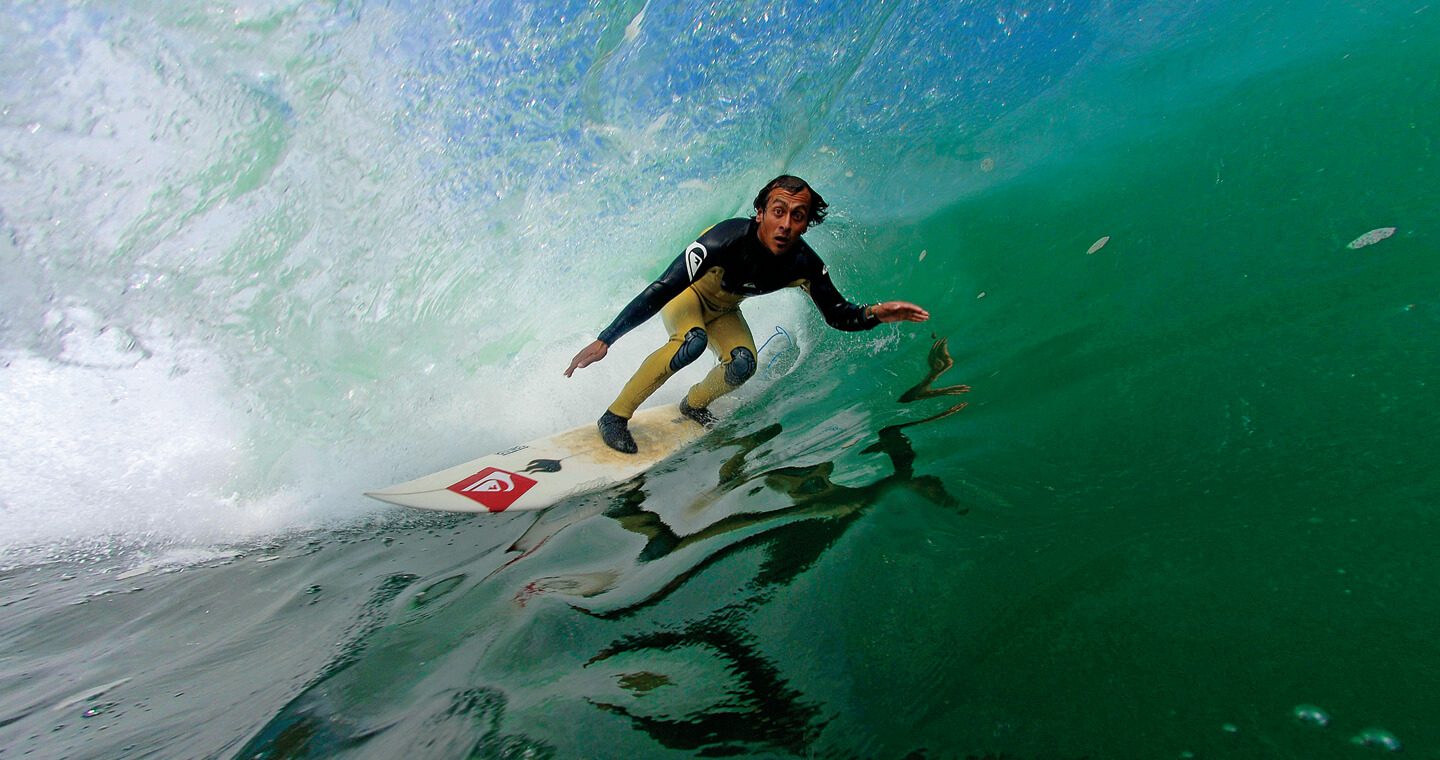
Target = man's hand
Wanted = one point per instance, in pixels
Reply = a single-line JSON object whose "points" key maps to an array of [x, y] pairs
{"points": [[898, 311], [587, 356]]}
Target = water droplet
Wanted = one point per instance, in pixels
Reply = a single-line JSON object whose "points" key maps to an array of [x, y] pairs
{"points": [[1311, 715], [1377, 737], [1230, 728], [99, 709], [1372, 237]]}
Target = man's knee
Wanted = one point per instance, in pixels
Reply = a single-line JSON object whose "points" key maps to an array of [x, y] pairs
{"points": [[741, 366], [690, 349]]}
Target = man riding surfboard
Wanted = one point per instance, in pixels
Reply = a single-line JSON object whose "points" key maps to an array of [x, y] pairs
{"points": [[698, 297]]}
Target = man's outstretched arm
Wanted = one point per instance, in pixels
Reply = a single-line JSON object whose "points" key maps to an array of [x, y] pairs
{"points": [[642, 307], [843, 315]]}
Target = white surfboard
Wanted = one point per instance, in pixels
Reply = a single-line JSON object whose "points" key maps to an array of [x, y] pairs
{"points": [[539, 474]]}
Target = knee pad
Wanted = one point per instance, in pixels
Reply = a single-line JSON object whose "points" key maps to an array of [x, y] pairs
{"points": [[690, 349], [741, 367]]}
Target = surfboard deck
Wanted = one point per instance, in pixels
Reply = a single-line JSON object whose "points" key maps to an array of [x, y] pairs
{"points": [[538, 474]]}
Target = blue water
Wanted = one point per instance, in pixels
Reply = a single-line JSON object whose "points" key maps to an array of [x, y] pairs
{"points": [[261, 257]]}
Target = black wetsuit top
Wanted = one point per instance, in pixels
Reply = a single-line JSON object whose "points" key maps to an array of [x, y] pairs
{"points": [[748, 268]]}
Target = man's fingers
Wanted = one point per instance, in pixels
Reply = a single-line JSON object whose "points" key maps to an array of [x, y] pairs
{"points": [[587, 356], [894, 311], [914, 313]]}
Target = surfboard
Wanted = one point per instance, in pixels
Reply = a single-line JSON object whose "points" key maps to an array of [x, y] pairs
{"points": [[541, 473], [538, 474]]}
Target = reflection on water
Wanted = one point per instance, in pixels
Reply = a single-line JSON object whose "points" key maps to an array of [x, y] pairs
{"points": [[809, 490], [758, 705], [699, 681]]}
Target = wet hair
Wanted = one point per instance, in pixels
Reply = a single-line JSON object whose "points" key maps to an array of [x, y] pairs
{"points": [[795, 185]]}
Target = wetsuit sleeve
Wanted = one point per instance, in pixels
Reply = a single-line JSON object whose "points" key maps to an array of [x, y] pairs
{"points": [[838, 312], [646, 305]]}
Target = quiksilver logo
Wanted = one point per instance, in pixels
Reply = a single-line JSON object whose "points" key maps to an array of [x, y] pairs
{"points": [[498, 481], [494, 488], [694, 257]]}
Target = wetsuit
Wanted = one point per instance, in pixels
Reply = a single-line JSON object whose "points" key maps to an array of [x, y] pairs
{"points": [[699, 296]]}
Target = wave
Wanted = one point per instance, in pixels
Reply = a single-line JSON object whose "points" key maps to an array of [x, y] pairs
{"points": [[259, 257]]}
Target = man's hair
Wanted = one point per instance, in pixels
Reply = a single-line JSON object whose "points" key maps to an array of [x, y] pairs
{"points": [[795, 185]]}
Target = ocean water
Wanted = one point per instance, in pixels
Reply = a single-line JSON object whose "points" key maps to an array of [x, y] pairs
{"points": [[259, 257]]}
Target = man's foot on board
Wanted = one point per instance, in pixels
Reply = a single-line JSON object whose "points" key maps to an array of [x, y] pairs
{"points": [[615, 432], [701, 415]]}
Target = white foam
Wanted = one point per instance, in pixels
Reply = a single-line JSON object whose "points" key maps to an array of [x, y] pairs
{"points": [[105, 450]]}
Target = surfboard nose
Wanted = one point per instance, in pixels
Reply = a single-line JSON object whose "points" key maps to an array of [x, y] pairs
{"points": [[398, 499]]}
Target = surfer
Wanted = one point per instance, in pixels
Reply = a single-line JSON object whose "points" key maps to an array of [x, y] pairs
{"points": [[698, 298]]}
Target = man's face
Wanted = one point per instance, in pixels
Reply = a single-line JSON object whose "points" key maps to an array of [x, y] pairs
{"points": [[784, 220]]}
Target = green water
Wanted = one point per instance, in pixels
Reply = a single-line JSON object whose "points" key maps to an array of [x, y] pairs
{"points": [[324, 248]]}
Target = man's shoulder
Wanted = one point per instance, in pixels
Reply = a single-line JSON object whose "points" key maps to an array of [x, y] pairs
{"points": [[808, 259], [726, 232]]}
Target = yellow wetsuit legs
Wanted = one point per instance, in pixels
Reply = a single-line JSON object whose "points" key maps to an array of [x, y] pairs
{"points": [[720, 327]]}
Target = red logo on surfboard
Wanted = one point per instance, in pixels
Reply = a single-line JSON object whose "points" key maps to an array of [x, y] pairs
{"points": [[495, 489]]}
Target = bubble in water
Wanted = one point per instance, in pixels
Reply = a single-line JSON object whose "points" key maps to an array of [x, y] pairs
{"points": [[1311, 715], [1377, 737]]}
